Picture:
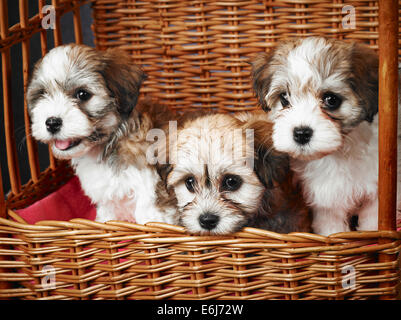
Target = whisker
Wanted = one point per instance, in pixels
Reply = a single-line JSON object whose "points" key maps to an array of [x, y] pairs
{"points": [[22, 143], [19, 129]]}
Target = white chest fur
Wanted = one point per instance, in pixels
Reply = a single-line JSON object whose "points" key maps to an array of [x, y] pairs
{"points": [[344, 183], [343, 179], [127, 194]]}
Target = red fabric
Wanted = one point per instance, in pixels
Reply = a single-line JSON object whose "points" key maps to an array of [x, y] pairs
{"points": [[66, 203]]}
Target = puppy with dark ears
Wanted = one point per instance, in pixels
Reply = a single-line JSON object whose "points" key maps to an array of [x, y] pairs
{"points": [[223, 178], [322, 96], [82, 102]]}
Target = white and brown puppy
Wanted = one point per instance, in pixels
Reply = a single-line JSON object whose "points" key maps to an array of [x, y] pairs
{"points": [[322, 95], [225, 176], [81, 101]]}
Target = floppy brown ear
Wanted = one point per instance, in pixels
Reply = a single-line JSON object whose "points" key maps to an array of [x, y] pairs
{"points": [[164, 170], [364, 78], [261, 77], [123, 78], [35, 89], [270, 165]]}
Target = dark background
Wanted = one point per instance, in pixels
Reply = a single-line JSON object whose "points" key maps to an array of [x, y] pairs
{"points": [[17, 83]]}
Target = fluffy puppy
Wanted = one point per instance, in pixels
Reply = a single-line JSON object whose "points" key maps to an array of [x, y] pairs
{"points": [[81, 101], [225, 176], [322, 95]]}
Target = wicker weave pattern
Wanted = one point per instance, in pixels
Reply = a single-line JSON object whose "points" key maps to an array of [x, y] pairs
{"points": [[125, 261], [196, 54]]}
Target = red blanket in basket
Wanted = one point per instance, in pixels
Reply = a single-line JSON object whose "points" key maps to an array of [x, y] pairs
{"points": [[66, 203]]}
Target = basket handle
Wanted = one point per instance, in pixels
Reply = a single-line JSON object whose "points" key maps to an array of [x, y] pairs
{"points": [[388, 111]]}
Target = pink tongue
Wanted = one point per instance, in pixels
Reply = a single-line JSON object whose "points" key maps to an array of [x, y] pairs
{"points": [[62, 144]]}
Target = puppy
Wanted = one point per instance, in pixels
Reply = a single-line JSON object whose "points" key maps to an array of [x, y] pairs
{"points": [[322, 95], [225, 176], [81, 101]]}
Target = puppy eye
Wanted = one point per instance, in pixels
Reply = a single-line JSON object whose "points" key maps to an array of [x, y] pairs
{"points": [[284, 99], [83, 95], [231, 183], [331, 101], [190, 184]]}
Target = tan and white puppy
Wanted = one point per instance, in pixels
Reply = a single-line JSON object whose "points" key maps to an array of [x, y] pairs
{"points": [[82, 102], [322, 95], [225, 176]]}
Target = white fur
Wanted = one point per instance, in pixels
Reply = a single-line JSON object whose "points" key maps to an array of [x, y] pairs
{"points": [[75, 122], [208, 202], [337, 184], [118, 195], [306, 115]]}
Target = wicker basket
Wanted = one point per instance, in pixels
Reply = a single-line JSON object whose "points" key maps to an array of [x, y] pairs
{"points": [[195, 54]]}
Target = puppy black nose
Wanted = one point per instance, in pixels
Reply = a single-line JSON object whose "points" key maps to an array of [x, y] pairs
{"points": [[208, 220], [53, 124], [302, 135]]}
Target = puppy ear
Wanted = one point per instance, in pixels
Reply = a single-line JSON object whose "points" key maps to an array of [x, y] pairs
{"points": [[35, 89], [270, 165], [164, 170], [261, 77], [165, 197], [123, 79], [364, 78]]}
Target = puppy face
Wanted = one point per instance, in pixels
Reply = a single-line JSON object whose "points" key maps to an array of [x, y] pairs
{"points": [[77, 97], [316, 90], [213, 175]]}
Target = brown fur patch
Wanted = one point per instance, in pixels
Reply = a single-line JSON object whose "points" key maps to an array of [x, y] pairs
{"points": [[282, 207], [149, 114], [265, 64], [131, 150], [123, 79], [364, 78]]}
